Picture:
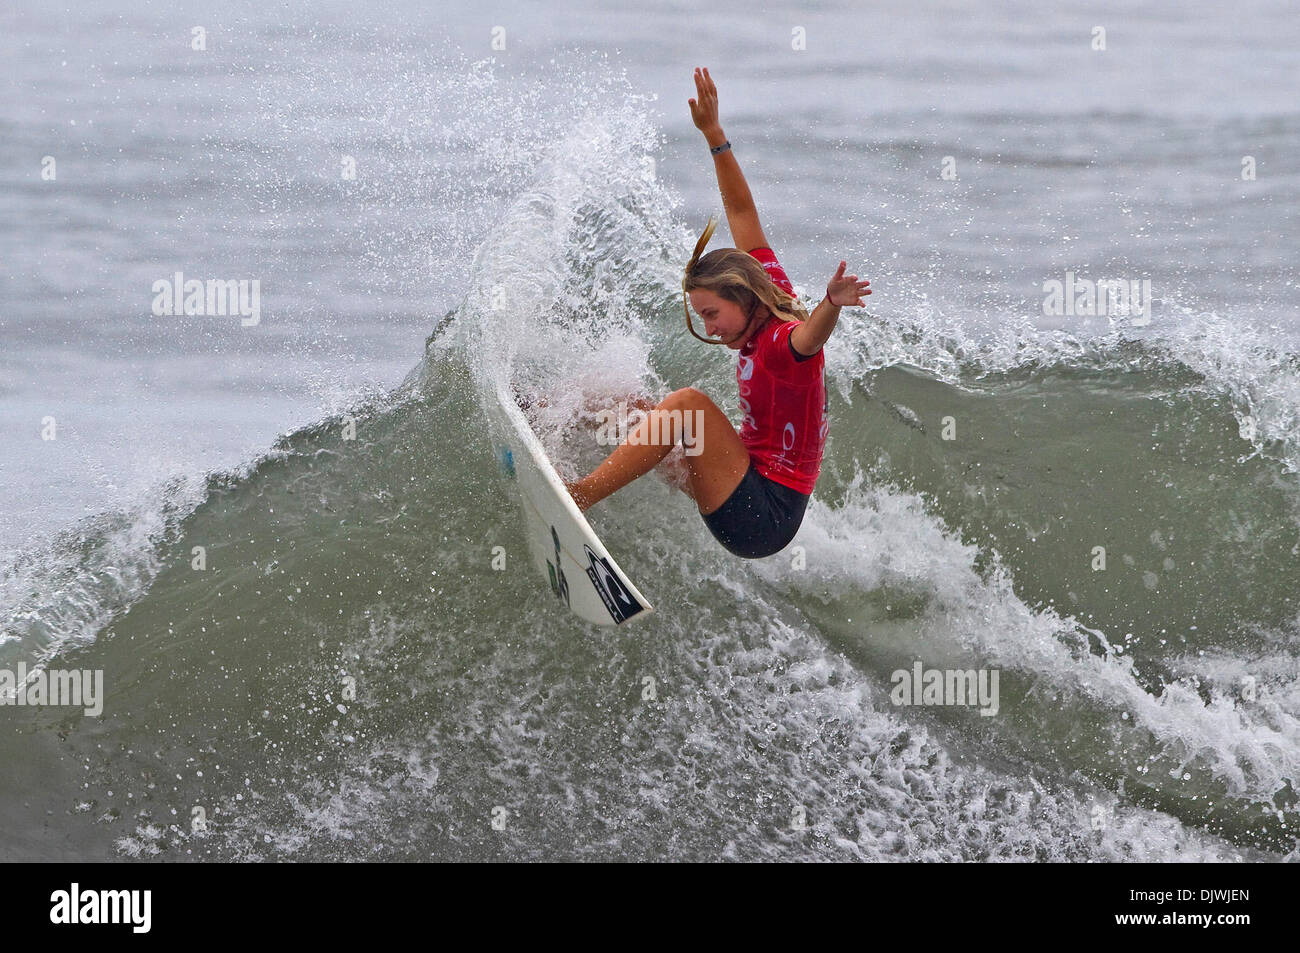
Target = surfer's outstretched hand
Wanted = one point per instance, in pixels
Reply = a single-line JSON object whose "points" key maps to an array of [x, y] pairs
{"points": [[704, 111], [845, 290]]}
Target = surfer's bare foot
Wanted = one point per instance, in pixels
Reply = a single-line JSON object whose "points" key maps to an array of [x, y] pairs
{"points": [[598, 402], [528, 401]]}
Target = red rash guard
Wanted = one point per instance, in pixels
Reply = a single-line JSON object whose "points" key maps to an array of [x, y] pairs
{"points": [[783, 398]]}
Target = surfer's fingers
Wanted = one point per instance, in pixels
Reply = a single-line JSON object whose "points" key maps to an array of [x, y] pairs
{"points": [[705, 83]]}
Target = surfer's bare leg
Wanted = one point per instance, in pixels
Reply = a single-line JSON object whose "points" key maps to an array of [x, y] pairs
{"points": [[672, 469], [716, 461]]}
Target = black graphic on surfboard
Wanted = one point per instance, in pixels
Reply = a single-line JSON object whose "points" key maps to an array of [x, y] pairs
{"points": [[559, 585], [620, 603]]}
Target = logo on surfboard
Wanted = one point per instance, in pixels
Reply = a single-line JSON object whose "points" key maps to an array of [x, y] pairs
{"points": [[617, 599], [619, 602], [506, 460], [559, 585]]}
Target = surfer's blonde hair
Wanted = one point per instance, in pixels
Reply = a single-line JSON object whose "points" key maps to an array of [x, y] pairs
{"points": [[739, 278]]}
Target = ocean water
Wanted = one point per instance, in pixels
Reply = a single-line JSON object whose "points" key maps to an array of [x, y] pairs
{"points": [[350, 677]]}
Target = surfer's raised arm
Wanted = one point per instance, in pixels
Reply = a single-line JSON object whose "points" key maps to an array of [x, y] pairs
{"points": [[742, 214], [841, 291]]}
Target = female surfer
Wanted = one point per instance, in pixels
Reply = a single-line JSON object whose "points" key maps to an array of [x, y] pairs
{"points": [[750, 487]]}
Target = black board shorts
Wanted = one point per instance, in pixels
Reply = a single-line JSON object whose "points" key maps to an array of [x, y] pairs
{"points": [[759, 518]]}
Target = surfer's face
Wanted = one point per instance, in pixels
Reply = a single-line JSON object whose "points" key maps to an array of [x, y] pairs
{"points": [[723, 319]]}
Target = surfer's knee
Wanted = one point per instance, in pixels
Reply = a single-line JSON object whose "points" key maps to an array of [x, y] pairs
{"points": [[689, 398], [686, 412]]}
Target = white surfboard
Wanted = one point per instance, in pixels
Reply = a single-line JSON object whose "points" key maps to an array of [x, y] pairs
{"points": [[566, 551]]}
